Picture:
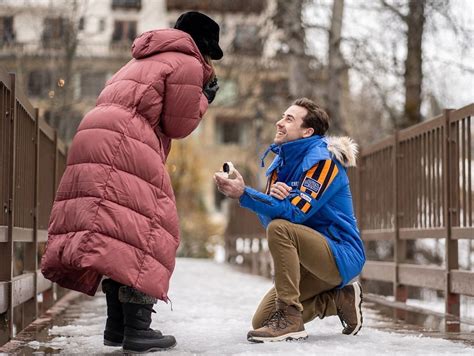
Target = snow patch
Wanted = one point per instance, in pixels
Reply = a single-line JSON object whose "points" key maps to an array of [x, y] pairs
{"points": [[213, 306]]}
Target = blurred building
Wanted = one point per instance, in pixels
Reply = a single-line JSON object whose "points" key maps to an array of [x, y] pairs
{"points": [[63, 51], [254, 91]]}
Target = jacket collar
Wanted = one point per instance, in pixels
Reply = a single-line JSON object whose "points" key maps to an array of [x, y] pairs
{"points": [[309, 151]]}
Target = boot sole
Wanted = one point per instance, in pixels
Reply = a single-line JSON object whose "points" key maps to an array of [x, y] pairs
{"points": [[296, 336], [112, 343], [151, 349], [358, 307]]}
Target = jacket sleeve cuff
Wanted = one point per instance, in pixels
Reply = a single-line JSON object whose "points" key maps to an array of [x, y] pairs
{"points": [[255, 200], [245, 199]]}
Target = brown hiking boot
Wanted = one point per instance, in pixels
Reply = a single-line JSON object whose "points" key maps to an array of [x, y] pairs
{"points": [[286, 323], [349, 308]]}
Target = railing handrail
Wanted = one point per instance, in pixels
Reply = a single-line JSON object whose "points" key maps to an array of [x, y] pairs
{"points": [[28, 182], [382, 143]]}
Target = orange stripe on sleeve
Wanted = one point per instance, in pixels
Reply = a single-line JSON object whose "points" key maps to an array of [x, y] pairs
{"points": [[324, 172], [306, 207], [274, 177], [271, 180], [296, 200], [333, 175]]}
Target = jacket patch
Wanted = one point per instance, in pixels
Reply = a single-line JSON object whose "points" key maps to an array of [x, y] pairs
{"points": [[319, 178], [305, 197], [312, 184]]}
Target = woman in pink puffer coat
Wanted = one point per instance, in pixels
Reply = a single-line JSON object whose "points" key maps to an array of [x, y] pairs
{"points": [[115, 214]]}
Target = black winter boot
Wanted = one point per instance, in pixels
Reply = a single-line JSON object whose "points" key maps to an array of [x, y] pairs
{"points": [[138, 337], [113, 333]]}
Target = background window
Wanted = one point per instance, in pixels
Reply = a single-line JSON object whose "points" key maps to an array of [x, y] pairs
{"points": [[6, 30], [82, 23], [231, 132], [127, 4], [102, 25], [247, 40], [273, 90], [39, 82], [53, 29], [92, 84], [124, 31]]}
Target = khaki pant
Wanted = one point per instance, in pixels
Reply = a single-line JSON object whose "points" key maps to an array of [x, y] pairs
{"points": [[304, 270]]}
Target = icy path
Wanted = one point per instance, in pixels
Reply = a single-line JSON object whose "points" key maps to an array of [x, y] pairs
{"points": [[213, 305]]}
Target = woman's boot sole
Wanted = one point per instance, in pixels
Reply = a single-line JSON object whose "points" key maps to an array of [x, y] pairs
{"points": [[151, 349], [112, 343]]}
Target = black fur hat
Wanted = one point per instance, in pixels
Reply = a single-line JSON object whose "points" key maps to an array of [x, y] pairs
{"points": [[203, 30]]}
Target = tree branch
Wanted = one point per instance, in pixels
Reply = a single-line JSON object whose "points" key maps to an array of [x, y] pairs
{"points": [[307, 26], [381, 93], [394, 10]]}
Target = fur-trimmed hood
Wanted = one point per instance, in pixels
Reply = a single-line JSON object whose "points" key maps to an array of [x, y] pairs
{"points": [[344, 149], [313, 149]]}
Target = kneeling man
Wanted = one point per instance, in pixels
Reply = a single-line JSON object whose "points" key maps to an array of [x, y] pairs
{"points": [[311, 228]]}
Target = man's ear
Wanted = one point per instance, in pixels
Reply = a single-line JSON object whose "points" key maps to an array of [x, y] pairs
{"points": [[308, 132]]}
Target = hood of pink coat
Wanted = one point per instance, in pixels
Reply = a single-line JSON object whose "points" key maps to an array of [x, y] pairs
{"points": [[168, 40]]}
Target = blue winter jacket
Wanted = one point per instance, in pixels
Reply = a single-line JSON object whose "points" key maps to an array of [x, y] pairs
{"points": [[315, 169]]}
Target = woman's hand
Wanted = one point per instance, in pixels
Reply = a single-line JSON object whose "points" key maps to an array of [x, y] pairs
{"points": [[210, 90], [280, 190]]}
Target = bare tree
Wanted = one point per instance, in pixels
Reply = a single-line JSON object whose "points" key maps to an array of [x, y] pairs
{"points": [[414, 22], [413, 77], [71, 42], [61, 107], [288, 18], [336, 66]]}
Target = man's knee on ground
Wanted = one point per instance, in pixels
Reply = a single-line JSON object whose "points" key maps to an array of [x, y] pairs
{"points": [[277, 229]]}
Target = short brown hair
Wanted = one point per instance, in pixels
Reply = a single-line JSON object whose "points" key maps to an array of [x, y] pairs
{"points": [[316, 117]]}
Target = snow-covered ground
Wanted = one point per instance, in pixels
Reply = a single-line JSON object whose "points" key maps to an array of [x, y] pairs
{"points": [[212, 308]]}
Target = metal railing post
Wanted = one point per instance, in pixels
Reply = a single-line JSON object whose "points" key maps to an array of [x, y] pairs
{"points": [[359, 206], [11, 203], [400, 291], [31, 253], [451, 175]]}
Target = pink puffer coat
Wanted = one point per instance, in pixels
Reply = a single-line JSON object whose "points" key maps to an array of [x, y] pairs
{"points": [[115, 211]]}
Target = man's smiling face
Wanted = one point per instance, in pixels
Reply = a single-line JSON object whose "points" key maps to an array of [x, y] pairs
{"points": [[289, 127]]}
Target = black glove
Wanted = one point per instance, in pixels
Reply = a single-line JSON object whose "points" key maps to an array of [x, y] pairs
{"points": [[211, 89]]}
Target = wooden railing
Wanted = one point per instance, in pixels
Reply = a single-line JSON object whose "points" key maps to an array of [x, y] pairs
{"points": [[418, 184], [415, 184], [32, 160]]}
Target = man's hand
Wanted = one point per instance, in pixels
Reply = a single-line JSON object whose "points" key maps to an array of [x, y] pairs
{"points": [[233, 188], [280, 190]]}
